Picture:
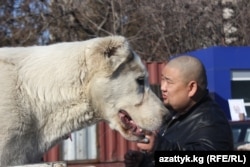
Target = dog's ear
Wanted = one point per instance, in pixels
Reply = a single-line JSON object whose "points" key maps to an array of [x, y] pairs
{"points": [[116, 51]]}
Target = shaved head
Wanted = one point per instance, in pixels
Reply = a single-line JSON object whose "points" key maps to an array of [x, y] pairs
{"points": [[191, 69]]}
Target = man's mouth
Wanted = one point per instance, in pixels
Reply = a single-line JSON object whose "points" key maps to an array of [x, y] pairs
{"points": [[129, 124], [164, 96]]}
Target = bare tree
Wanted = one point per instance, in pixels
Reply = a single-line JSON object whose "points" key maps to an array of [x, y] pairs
{"points": [[156, 29]]}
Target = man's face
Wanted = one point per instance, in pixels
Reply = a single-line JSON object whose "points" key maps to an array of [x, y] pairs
{"points": [[174, 89]]}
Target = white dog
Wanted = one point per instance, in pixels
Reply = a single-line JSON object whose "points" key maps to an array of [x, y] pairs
{"points": [[47, 92]]}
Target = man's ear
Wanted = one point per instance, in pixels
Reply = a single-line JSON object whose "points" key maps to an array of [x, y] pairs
{"points": [[192, 88]]}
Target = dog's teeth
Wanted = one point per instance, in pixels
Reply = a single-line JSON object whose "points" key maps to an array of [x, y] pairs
{"points": [[132, 122]]}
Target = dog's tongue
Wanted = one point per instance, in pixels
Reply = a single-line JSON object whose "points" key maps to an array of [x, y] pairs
{"points": [[135, 129], [130, 124]]}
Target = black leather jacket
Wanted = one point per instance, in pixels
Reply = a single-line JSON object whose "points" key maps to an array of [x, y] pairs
{"points": [[203, 128]]}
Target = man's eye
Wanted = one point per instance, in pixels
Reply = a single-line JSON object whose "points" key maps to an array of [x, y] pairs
{"points": [[140, 81]]}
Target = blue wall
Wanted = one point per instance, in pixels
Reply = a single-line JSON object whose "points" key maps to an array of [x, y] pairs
{"points": [[219, 62]]}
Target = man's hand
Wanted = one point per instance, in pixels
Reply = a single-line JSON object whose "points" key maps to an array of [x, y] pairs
{"points": [[149, 145], [133, 158]]}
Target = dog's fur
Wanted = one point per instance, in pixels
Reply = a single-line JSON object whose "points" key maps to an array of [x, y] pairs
{"points": [[47, 92]]}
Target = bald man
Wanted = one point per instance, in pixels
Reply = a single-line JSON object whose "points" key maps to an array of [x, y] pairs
{"points": [[197, 122]]}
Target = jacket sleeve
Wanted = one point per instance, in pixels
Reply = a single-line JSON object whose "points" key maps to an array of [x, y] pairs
{"points": [[148, 160], [163, 144], [204, 138]]}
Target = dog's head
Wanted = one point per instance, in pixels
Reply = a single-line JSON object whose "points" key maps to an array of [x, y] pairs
{"points": [[119, 89]]}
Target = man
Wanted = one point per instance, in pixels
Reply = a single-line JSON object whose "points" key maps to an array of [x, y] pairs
{"points": [[197, 123]]}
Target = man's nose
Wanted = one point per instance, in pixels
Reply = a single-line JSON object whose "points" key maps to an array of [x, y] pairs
{"points": [[163, 86]]}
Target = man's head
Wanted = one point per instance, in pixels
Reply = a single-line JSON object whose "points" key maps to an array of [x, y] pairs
{"points": [[183, 82]]}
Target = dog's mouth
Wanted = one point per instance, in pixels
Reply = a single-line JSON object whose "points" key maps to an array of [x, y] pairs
{"points": [[129, 124]]}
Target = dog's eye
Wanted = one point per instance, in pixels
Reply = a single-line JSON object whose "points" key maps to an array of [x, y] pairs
{"points": [[140, 81]]}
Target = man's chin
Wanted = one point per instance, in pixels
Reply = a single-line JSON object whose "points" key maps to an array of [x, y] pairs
{"points": [[168, 106], [165, 102]]}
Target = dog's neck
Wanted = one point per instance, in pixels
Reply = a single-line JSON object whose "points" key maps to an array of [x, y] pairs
{"points": [[49, 125], [77, 119]]}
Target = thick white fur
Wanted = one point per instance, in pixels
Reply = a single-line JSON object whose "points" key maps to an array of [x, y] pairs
{"points": [[47, 92]]}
